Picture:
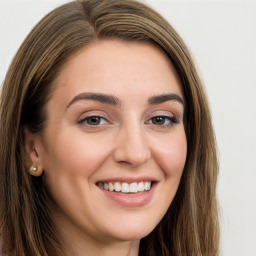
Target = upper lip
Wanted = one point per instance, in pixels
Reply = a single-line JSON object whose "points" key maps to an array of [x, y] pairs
{"points": [[128, 179]]}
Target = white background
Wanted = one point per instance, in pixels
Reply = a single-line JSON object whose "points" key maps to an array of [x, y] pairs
{"points": [[222, 38]]}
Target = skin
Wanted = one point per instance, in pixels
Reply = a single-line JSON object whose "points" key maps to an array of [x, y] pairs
{"points": [[74, 155]]}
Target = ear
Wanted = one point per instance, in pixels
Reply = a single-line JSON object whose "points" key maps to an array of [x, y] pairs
{"points": [[34, 161]]}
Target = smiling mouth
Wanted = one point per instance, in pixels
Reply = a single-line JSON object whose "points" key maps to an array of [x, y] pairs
{"points": [[126, 188]]}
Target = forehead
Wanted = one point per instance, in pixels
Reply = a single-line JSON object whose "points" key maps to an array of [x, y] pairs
{"points": [[118, 67]]}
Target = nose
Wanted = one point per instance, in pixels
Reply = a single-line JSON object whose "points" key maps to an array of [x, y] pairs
{"points": [[132, 147]]}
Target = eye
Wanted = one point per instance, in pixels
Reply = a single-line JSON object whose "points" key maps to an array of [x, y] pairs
{"points": [[93, 120], [163, 120]]}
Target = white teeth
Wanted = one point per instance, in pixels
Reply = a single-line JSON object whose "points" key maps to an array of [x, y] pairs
{"points": [[117, 187], [147, 185], [125, 187], [110, 187], [133, 187], [106, 186], [141, 186]]}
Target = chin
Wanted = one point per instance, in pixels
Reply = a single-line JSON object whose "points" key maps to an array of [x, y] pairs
{"points": [[131, 232]]}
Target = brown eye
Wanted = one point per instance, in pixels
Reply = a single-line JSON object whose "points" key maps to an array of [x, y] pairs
{"points": [[93, 120], [163, 120], [159, 120]]}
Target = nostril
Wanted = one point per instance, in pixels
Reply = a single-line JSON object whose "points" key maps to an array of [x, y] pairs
{"points": [[131, 146], [133, 161]]}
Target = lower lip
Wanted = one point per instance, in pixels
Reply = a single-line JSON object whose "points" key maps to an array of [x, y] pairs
{"points": [[131, 200]]}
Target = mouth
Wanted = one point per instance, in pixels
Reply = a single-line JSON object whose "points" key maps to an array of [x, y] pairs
{"points": [[125, 187], [129, 191]]}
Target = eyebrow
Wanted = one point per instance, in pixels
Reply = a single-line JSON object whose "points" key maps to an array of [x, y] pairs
{"points": [[100, 97], [165, 97], [114, 101]]}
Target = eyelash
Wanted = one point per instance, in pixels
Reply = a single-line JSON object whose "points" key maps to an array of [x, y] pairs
{"points": [[170, 119]]}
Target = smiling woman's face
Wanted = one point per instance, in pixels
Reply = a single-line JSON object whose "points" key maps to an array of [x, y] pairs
{"points": [[115, 122]]}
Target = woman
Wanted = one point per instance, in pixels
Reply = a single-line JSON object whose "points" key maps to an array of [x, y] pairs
{"points": [[107, 146]]}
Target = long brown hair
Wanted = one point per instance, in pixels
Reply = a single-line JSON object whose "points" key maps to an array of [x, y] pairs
{"points": [[190, 227]]}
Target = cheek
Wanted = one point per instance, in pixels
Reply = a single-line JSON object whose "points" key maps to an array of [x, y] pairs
{"points": [[69, 164], [80, 153], [172, 156]]}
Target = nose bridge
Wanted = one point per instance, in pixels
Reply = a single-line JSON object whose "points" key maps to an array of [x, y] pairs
{"points": [[132, 146]]}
